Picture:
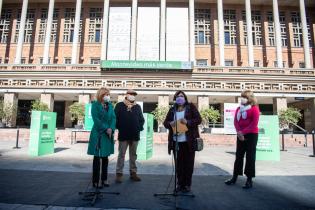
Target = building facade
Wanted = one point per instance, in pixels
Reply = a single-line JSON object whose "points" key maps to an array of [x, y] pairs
{"points": [[63, 51]]}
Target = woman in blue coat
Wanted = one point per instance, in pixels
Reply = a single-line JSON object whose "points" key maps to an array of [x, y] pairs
{"points": [[101, 143]]}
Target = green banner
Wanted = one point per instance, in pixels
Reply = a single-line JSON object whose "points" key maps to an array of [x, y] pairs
{"points": [[123, 64], [268, 139], [42, 133], [88, 120], [145, 146]]}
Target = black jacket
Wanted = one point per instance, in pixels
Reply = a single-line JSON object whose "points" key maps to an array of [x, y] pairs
{"points": [[129, 123]]}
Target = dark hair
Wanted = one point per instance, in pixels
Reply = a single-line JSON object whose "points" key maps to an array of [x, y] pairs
{"points": [[180, 92]]}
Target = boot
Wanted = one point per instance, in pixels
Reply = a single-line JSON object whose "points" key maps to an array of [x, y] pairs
{"points": [[248, 184], [134, 177], [231, 181], [119, 177]]}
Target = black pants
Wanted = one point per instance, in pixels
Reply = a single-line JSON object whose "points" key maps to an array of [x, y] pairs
{"points": [[247, 146], [185, 164], [96, 168]]}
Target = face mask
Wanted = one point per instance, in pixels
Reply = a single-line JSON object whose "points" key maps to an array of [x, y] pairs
{"points": [[106, 98], [180, 100], [244, 100], [131, 98]]}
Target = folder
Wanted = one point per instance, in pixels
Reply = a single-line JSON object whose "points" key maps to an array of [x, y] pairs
{"points": [[181, 128]]}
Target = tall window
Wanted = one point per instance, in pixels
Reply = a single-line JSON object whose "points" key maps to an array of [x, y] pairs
{"points": [[229, 26], [30, 17], [43, 26], [271, 29], [95, 26], [5, 25], [297, 29], [256, 27], [202, 26], [68, 31]]}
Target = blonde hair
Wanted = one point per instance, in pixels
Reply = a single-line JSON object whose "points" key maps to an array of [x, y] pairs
{"points": [[100, 93], [252, 100]]}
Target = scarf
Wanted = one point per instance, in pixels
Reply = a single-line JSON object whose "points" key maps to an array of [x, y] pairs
{"points": [[129, 104], [242, 112]]}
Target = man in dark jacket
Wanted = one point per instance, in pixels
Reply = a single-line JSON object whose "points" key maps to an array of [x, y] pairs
{"points": [[129, 122]]}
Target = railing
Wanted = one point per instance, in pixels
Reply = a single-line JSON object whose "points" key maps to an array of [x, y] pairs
{"points": [[196, 70], [255, 70]]}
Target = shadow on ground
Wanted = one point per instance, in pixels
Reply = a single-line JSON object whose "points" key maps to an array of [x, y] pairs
{"points": [[61, 189]]}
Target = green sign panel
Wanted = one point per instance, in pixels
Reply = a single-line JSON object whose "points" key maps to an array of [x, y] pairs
{"points": [[126, 64], [268, 139], [145, 146], [88, 120], [42, 133]]}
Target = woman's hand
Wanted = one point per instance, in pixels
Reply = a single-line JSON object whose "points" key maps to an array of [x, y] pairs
{"points": [[240, 136], [109, 132], [183, 121]]}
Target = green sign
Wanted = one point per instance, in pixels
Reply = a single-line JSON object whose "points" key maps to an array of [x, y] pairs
{"points": [[145, 146], [88, 120], [268, 138], [126, 64], [42, 133]]}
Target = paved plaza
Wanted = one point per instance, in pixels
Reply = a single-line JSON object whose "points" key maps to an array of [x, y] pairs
{"points": [[53, 181]]}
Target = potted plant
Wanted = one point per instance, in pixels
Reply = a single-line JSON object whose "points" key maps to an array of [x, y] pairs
{"points": [[159, 114], [7, 113], [209, 114], [37, 105], [289, 116], [77, 111]]}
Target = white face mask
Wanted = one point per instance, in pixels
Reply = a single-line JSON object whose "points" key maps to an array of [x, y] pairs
{"points": [[106, 98], [131, 98], [244, 100]]}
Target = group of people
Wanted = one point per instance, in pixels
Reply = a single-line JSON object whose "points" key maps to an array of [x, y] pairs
{"points": [[128, 119]]}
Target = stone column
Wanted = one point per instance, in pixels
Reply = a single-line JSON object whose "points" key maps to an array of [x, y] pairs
{"points": [[192, 31], [11, 100], [279, 104], [203, 102], [163, 100], [84, 98], [133, 30], [19, 45], [48, 31], [249, 34], [221, 32], [162, 30], [74, 58], [48, 98], [0, 7], [277, 33], [105, 30], [306, 44], [67, 117]]}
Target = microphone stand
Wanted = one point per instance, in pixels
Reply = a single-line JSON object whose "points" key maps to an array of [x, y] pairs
{"points": [[96, 194], [175, 154]]}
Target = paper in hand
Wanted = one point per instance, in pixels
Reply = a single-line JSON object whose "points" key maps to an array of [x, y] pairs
{"points": [[181, 128]]}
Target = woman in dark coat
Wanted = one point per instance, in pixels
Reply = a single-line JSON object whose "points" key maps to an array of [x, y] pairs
{"points": [[101, 143], [187, 114]]}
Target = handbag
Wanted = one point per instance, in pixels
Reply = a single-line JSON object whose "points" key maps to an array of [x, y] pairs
{"points": [[198, 144]]}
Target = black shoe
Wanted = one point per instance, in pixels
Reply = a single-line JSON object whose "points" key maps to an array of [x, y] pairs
{"points": [[230, 181], [248, 184], [179, 188], [105, 183], [186, 189]]}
